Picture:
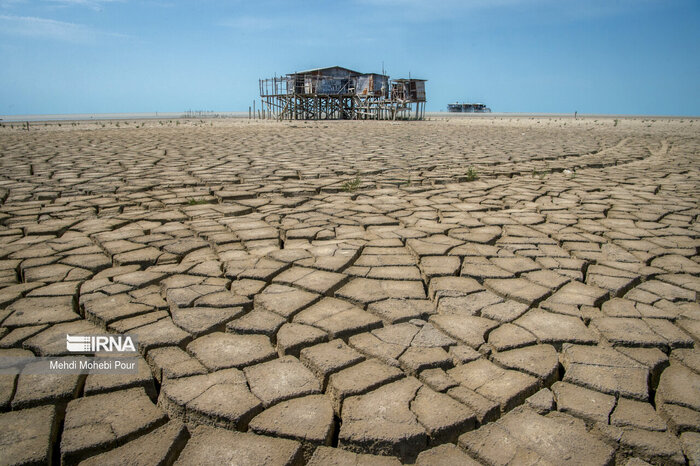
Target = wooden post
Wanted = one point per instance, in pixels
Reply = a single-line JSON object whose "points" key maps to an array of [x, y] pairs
{"points": [[249, 115], [253, 108]]}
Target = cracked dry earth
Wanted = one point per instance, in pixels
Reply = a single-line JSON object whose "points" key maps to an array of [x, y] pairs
{"points": [[532, 316]]}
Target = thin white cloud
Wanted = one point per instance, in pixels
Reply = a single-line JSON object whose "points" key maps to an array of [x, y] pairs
{"points": [[11, 3], [44, 28], [421, 10], [473, 4], [96, 5], [92, 4], [404, 6]]}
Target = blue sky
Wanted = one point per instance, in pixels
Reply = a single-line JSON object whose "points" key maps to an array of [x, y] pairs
{"points": [[590, 56]]}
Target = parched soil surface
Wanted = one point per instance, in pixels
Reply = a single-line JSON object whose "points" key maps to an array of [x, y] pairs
{"points": [[460, 291]]}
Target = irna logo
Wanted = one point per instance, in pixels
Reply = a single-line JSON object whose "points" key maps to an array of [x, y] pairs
{"points": [[100, 344]]}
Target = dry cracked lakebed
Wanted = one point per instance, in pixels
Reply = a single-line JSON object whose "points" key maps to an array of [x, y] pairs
{"points": [[464, 291]]}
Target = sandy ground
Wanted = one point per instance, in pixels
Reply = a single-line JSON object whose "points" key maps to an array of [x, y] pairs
{"points": [[492, 290]]}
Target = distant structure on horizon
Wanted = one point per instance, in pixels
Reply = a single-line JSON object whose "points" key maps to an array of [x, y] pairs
{"points": [[467, 108], [338, 93]]}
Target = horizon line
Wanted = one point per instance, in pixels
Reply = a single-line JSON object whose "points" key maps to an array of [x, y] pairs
{"points": [[38, 117]]}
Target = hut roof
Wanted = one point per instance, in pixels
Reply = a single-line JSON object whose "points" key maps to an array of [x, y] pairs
{"points": [[320, 70]]}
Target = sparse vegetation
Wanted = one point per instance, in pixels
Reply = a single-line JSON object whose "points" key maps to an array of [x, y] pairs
{"points": [[616, 122], [352, 185], [539, 174], [471, 174], [193, 201]]}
